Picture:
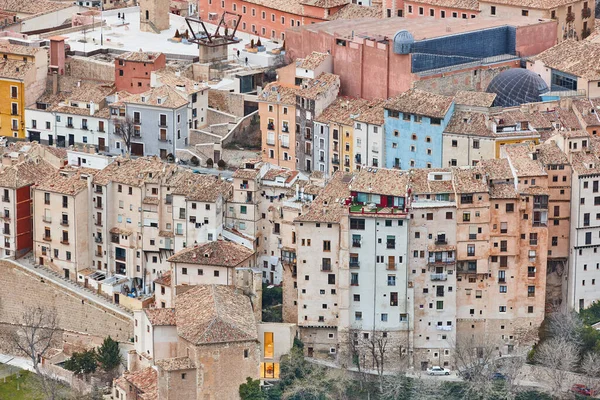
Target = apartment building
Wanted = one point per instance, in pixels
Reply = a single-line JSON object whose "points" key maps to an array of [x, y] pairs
{"points": [[14, 77], [160, 121], [74, 117], [432, 267], [414, 123], [369, 146], [19, 173], [585, 110], [154, 337], [199, 203], [312, 98], [133, 232], [133, 70], [62, 219]]}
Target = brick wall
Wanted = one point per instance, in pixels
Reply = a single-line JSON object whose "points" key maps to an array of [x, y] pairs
{"points": [[22, 290]]}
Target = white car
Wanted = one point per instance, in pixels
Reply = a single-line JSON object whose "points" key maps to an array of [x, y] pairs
{"points": [[438, 371]]}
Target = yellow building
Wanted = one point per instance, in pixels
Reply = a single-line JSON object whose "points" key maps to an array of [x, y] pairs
{"points": [[13, 77]]}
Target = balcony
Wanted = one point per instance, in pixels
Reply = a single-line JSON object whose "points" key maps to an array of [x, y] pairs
{"points": [[391, 245], [47, 219], [307, 136], [441, 241], [347, 163], [84, 127], [335, 161], [441, 260], [271, 127], [586, 12], [467, 268], [98, 239], [47, 238], [5, 199], [285, 129], [70, 125], [162, 139], [137, 121], [356, 243], [438, 277], [501, 280], [66, 242], [98, 223], [162, 124], [98, 254], [64, 222], [99, 205], [326, 267], [120, 257], [570, 17], [308, 152], [355, 264], [530, 294], [271, 142]]}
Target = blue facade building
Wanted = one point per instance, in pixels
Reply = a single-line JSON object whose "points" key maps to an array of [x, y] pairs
{"points": [[414, 123]]}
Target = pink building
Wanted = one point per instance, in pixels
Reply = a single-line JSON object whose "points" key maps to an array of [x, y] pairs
{"points": [[380, 58], [134, 69]]}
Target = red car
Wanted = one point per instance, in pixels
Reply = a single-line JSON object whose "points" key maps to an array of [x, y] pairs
{"points": [[582, 390]]}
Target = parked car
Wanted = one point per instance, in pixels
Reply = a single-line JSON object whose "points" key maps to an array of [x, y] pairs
{"points": [[498, 376], [438, 371], [582, 390]]}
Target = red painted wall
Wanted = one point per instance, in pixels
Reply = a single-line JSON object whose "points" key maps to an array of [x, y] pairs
{"points": [[24, 221], [136, 75]]}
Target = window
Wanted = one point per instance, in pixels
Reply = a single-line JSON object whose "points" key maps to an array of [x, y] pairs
{"points": [[493, 10], [439, 305], [326, 245], [502, 309], [358, 224], [530, 291], [358, 316], [510, 207], [525, 13], [391, 280]]}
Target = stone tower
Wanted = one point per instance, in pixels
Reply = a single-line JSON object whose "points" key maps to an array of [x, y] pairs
{"points": [[154, 15]]}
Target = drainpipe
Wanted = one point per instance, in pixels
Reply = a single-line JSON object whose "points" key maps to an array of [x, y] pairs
{"points": [[375, 272]]}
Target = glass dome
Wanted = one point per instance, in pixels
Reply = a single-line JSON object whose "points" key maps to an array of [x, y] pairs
{"points": [[517, 86]]}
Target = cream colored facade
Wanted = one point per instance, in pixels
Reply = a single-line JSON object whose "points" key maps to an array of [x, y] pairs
{"points": [[466, 150], [61, 223]]}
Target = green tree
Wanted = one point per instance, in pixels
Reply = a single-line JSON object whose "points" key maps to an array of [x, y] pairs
{"points": [[108, 355], [82, 363], [251, 390]]}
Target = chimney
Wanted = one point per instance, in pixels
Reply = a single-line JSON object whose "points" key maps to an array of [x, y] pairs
{"points": [[78, 83], [92, 108], [55, 82]]}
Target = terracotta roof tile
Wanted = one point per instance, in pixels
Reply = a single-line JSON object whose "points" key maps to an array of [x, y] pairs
{"points": [[175, 364], [15, 69], [219, 253], [9, 48], [572, 57], [164, 279], [469, 180], [198, 187], [145, 381], [420, 181], [161, 316], [140, 56], [25, 173], [472, 5], [342, 110], [136, 172], [34, 7], [419, 102], [215, 314], [388, 182], [550, 154], [520, 157], [313, 60], [274, 92], [315, 88], [329, 206], [469, 123], [354, 11], [164, 96], [497, 169], [477, 99], [70, 184], [540, 4], [589, 109], [503, 191]]}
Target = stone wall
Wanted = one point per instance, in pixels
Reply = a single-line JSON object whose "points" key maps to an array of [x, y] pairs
{"points": [[231, 103], [83, 321], [246, 133], [86, 68], [449, 84], [218, 117]]}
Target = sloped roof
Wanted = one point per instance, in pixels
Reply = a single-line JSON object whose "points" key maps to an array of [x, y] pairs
{"points": [[415, 101], [220, 253], [215, 314]]}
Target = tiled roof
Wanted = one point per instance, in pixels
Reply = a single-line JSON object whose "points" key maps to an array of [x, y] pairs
{"points": [[274, 92], [121, 231], [289, 6], [198, 187], [421, 184], [164, 279], [503, 191], [69, 185], [145, 381], [314, 88], [215, 314], [371, 112], [175, 364], [575, 134], [573, 57], [550, 154], [469, 180], [151, 200], [15, 69], [25, 173], [161, 316], [520, 158], [313, 60], [469, 123], [354, 11], [181, 83], [540, 4], [9, 48], [472, 5], [329, 206], [497, 169], [325, 3], [34, 7], [219, 253], [341, 111], [388, 182], [477, 99], [415, 101], [585, 163], [140, 56], [102, 113], [246, 173], [164, 96], [567, 118], [589, 109], [136, 172], [275, 173]]}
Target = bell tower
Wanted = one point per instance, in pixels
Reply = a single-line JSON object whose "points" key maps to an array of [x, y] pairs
{"points": [[154, 15]]}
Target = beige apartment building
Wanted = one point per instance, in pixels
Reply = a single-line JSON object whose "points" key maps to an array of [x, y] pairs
{"points": [[61, 211]]}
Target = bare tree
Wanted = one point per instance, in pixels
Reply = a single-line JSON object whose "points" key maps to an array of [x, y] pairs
{"points": [[125, 128], [38, 329], [590, 366], [474, 358], [511, 367], [567, 325], [354, 353], [556, 356]]}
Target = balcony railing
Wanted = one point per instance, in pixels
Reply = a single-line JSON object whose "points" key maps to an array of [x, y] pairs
{"points": [[391, 245], [441, 241], [444, 260], [47, 219], [98, 239], [120, 257], [98, 254], [271, 142], [47, 238], [5, 199], [354, 264], [271, 127], [356, 243], [326, 267], [335, 161], [570, 17], [586, 12], [438, 277], [64, 222], [64, 241]]}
